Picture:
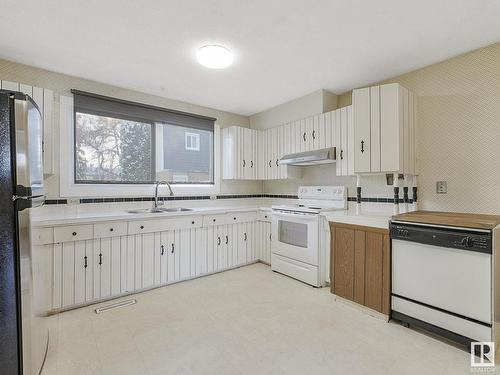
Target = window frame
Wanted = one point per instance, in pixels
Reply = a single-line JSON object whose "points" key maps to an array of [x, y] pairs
{"points": [[68, 187]]}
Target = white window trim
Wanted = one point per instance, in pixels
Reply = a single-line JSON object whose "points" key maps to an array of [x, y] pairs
{"points": [[192, 136], [68, 188]]}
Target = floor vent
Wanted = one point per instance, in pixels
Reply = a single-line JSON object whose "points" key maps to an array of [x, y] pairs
{"points": [[115, 306]]}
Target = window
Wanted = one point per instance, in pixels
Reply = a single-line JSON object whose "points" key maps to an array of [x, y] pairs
{"points": [[118, 142], [192, 141]]}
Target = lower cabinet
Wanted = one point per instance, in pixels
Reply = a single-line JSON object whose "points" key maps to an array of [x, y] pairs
{"points": [[360, 265], [96, 269], [263, 241]]}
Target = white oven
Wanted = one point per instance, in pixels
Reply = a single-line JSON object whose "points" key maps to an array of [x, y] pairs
{"points": [[295, 236], [296, 249]]}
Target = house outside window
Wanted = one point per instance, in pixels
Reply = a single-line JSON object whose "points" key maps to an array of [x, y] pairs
{"points": [[192, 141]]}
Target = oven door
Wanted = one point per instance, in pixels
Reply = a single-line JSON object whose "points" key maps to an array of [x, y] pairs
{"points": [[295, 236]]}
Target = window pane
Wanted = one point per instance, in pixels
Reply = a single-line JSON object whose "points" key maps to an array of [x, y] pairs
{"points": [[184, 155], [112, 150]]}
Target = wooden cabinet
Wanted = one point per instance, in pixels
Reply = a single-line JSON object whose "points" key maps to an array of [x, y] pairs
{"points": [[360, 265], [263, 240], [384, 129]]}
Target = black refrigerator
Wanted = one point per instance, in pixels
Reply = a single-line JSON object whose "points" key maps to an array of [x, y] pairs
{"points": [[23, 324]]}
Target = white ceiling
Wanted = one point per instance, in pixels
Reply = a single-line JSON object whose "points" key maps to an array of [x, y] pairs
{"points": [[283, 48]]}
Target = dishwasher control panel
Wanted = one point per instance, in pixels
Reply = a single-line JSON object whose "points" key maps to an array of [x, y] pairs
{"points": [[457, 238]]}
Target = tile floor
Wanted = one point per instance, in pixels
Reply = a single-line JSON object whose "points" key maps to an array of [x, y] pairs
{"points": [[245, 321]]}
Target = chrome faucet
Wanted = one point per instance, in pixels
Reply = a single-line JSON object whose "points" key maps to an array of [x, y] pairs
{"points": [[158, 183]]}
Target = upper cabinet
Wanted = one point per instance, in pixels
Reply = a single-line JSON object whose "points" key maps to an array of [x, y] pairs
{"points": [[239, 153], [250, 154], [384, 129], [44, 99]]}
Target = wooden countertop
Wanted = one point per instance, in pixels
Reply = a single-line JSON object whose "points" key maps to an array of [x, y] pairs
{"points": [[454, 219]]}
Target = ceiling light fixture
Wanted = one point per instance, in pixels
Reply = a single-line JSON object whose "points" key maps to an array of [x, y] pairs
{"points": [[214, 57]]}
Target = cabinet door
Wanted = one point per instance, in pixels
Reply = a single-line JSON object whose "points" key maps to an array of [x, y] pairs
{"points": [[222, 242], [318, 140], [284, 141], [374, 129], [68, 273], [211, 249], [343, 259], [81, 266], [390, 128], [267, 240], [201, 257], [148, 259], [254, 162], [338, 144], [308, 130], [344, 140], [162, 258], [246, 144], [184, 249], [361, 105], [374, 270], [104, 263], [129, 284], [172, 258], [350, 142], [296, 137], [250, 242], [239, 244]]}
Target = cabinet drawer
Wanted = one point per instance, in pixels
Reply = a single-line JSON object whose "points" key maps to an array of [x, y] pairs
{"points": [[73, 233], [159, 225], [264, 216], [42, 236], [209, 220], [111, 229], [240, 217]]}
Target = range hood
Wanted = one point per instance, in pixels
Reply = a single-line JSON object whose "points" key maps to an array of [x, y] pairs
{"points": [[323, 156]]}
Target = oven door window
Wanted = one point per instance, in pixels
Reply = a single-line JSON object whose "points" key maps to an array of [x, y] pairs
{"points": [[292, 233]]}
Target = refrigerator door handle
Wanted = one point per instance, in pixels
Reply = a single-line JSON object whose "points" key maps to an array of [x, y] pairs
{"points": [[23, 203]]}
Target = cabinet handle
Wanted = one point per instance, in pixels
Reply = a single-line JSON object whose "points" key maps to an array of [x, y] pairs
{"points": [[314, 134], [227, 239], [251, 163], [245, 238], [269, 163], [85, 265], [162, 250], [173, 248], [270, 237], [192, 222], [142, 226], [234, 218], [100, 258], [213, 220], [362, 146], [244, 163], [218, 241], [304, 136], [277, 163], [341, 154], [111, 229], [74, 233]]}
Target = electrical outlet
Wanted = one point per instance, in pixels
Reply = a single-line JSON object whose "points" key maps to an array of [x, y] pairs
{"points": [[441, 187]]}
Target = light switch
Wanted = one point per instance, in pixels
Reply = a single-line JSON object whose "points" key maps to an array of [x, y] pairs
{"points": [[441, 187]]}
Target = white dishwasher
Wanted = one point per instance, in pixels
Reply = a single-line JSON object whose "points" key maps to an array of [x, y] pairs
{"points": [[442, 279]]}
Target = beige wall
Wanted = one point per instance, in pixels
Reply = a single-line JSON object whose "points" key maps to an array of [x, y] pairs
{"points": [[62, 84], [316, 102], [458, 130]]}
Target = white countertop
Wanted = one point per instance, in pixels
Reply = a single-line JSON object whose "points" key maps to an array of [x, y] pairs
{"points": [[74, 215], [370, 215]]}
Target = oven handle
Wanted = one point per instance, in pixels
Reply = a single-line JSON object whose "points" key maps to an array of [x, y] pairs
{"points": [[297, 217]]}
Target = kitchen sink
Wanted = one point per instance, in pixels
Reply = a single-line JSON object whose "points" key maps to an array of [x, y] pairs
{"points": [[159, 210]]}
